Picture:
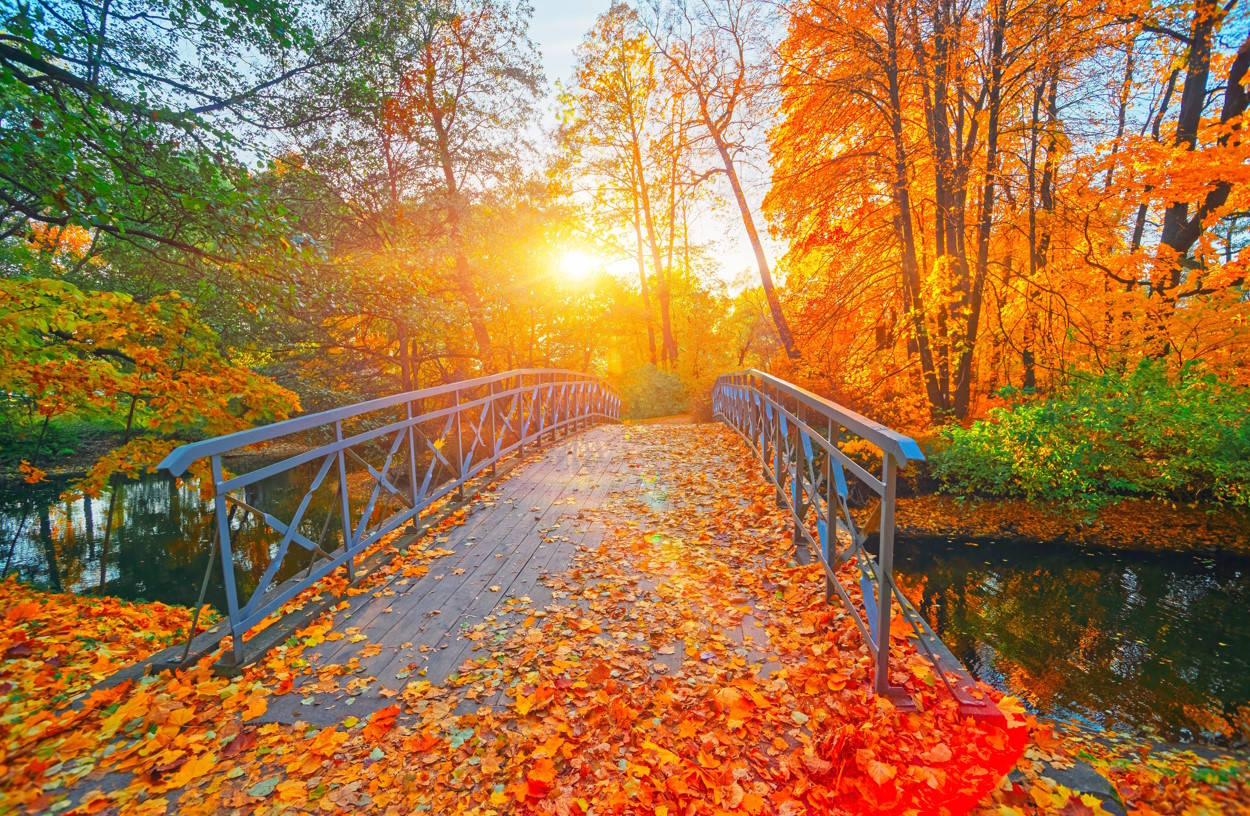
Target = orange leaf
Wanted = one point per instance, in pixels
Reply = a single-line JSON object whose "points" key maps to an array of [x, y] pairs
{"points": [[880, 772], [380, 722]]}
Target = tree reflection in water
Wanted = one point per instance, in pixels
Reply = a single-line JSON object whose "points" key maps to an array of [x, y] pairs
{"points": [[160, 538], [1156, 644]]}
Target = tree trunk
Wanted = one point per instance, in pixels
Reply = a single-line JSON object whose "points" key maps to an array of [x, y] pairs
{"points": [[642, 280], [1039, 239], [1180, 231], [757, 247], [1193, 100], [1126, 91], [464, 274], [1155, 130], [964, 369], [661, 279], [938, 405]]}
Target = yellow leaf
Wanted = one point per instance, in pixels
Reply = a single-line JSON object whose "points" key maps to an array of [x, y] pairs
{"points": [[255, 707]]}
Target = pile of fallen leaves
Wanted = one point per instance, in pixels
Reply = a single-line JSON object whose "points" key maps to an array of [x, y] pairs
{"points": [[54, 647], [686, 665]]}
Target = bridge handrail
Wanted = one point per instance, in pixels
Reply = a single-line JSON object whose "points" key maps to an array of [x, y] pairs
{"points": [[181, 458], [903, 447], [461, 428], [797, 436]]}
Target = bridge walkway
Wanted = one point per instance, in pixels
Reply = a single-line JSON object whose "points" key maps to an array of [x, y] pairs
{"points": [[428, 616]]}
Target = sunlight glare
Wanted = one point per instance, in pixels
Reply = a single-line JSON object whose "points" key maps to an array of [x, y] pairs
{"points": [[578, 266]]}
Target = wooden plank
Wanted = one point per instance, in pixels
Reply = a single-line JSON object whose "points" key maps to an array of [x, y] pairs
{"points": [[520, 577], [371, 609], [519, 548], [508, 552], [365, 616], [413, 622]]}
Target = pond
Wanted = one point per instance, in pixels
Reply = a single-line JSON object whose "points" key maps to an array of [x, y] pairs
{"points": [[158, 536], [1157, 645], [1152, 644]]}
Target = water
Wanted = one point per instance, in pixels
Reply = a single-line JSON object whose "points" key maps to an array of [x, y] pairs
{"points": [[159, 540], [1155, 645]]}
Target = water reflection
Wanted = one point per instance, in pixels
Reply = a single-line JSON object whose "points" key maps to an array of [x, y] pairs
{"points": [[158, 542], [1158, 644]]}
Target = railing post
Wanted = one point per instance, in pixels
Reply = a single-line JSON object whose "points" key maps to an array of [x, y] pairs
{"points": [[542, 411], [832, 501], [459, 450], [762, 430], [521, 424], [777, 448], [796, 486], [227, 560], [494, 437], [347, 520], [412, 459], [885, 572]]}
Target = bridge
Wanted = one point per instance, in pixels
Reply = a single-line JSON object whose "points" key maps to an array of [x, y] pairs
{"points": [[490, 488]]}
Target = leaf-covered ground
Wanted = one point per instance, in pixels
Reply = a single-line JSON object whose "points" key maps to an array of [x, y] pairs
{"points": [[55, 647], [685, 666]]}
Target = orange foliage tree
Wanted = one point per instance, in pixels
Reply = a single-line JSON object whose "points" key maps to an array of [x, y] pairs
{"points": [[151, 367], [1002, 194]]}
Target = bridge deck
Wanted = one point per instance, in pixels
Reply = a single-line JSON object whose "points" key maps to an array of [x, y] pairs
{"points": [[516, 541]]}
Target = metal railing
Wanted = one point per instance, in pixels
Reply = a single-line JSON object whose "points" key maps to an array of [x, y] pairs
{"points": [[442, 437], [801, 439]]}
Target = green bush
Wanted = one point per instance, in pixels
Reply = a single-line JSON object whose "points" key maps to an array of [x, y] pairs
{"points": [[1143, 433], [649, 392]]}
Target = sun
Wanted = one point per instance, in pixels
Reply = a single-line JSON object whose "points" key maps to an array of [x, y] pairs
{"points": [[577, 265]]}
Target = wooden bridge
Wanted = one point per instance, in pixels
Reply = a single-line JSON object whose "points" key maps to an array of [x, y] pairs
{"points": [[425, 471]]}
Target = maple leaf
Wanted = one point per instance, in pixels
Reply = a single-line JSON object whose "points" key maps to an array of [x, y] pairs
{"points": [[380, 722], [26, 610], [599, 673], [256, 706], [736, 705], [244, 741], [540, 777]]}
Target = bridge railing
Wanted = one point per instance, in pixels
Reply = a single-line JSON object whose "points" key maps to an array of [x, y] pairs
{"points": [[335, 482], [808, 447]]}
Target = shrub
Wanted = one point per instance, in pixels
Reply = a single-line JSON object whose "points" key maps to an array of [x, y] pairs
{"points": [[649, 392], [1143, 433]]}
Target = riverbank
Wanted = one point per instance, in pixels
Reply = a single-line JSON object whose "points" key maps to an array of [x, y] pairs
{"points": [[1144, 525]]}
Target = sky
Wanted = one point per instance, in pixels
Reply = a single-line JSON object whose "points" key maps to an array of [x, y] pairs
{"points": [[557, 26]]}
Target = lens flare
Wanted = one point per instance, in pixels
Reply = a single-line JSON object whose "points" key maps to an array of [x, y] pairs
{"points": [[577, 265]]}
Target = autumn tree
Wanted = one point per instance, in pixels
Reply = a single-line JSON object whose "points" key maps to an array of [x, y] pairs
{"points": [[469, 93], [1192, 209], [718, 53], [612, 115], [966, 190], [122, 119]]}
